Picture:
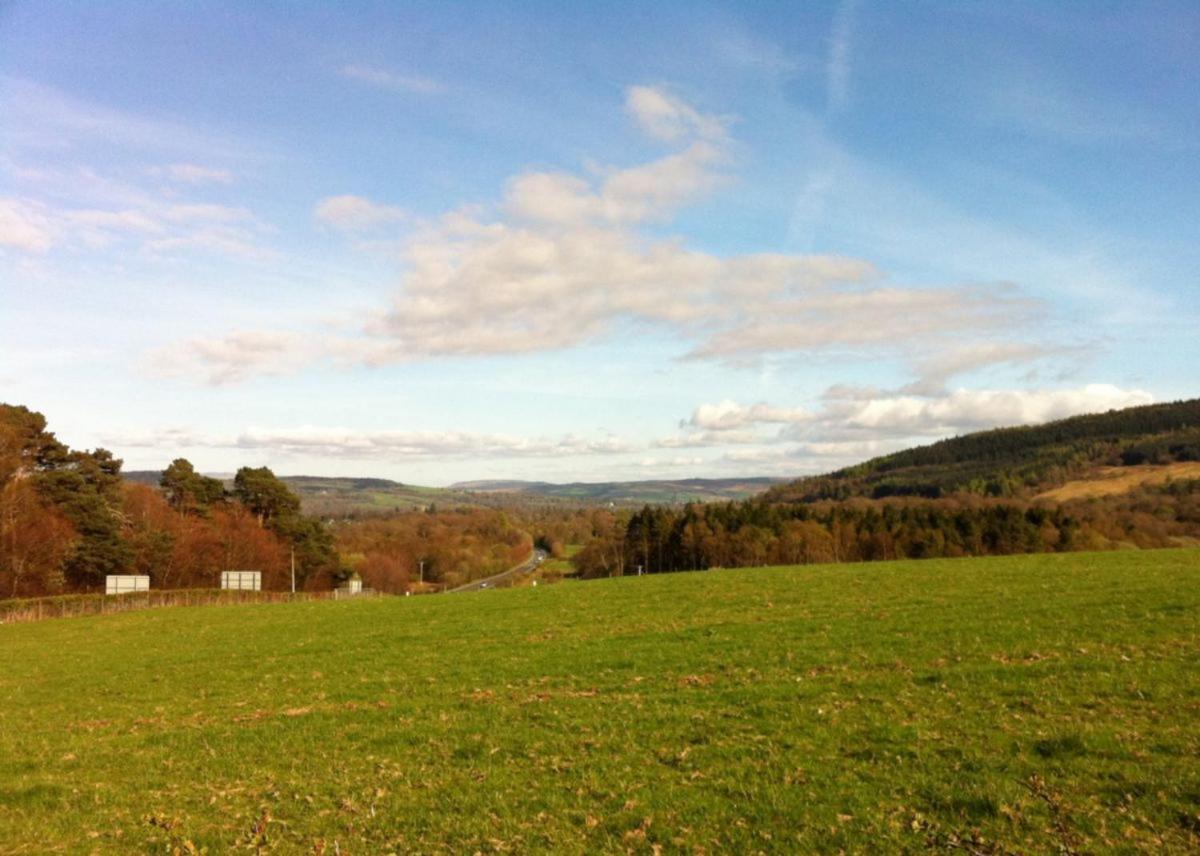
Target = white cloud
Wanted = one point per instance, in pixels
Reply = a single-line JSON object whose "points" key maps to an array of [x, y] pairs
{"points": [[853, 428], [701, 439], [671, 463], [565, 261], [235, 357], [650, 192], [971, 410], [154, 227], [728, 416], [321, 442], [666, 117], [355, 213], [848, 420], [24, 226], [935, 370], [413, 83]]}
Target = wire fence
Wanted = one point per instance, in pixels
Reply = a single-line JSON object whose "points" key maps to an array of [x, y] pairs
{"points": [[75, 605]]}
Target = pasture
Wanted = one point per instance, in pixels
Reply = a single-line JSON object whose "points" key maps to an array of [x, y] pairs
{"points": [[1044, 703]]}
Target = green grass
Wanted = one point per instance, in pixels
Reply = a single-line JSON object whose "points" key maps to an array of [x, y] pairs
{"points": [[1034, 704]]}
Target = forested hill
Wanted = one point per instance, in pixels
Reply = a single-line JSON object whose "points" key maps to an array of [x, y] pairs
{"points": [[1015, 461], [338, 497]]}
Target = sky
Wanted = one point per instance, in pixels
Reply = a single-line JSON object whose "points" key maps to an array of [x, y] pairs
{"points": [[444, 242]]}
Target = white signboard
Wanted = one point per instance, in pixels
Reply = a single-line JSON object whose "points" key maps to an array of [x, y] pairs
{"points": [[123, 583], [242, 580], [350, 588]]}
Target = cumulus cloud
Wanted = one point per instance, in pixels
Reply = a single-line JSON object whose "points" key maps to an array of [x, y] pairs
{"points": [[355, 213], [965, 410], [728, 416], [324, 442], [412, 83], [860, 424], [650, 192], [566, 259], [666, 117]]}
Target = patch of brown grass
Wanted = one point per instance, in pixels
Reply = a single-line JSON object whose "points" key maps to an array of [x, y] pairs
{"points": [[1109, 481]]}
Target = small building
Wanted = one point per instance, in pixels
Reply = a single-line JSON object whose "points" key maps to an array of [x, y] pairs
{"points": [[125, 583], [241, 580]]}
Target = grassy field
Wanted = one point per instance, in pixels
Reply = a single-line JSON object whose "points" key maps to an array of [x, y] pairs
{"points": [[1027, 704]]}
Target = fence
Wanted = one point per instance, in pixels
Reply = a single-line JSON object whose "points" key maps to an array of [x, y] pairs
{"points": [[71, 605]]}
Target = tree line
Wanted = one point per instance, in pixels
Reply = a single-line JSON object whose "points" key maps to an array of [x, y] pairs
{"points": [[68, 519], [658, 539]]}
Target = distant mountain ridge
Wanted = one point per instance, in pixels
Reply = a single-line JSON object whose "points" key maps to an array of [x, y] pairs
{"points": [[336, 496]]}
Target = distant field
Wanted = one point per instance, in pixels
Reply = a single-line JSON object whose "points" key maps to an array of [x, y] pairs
{"points": [[1031, 704], [1109, 481], [632, 493]]}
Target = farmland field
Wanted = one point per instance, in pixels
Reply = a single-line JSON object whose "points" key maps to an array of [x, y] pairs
{"points": [[1043, 703]]}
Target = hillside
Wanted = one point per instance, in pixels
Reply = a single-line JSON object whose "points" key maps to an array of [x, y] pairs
{"points": [[1111, 481], [1019, 461], [1020, 705], [337, 497]]}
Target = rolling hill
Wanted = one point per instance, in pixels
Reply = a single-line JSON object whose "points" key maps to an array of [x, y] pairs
{"points": [[336, 497], [1017, 462]]}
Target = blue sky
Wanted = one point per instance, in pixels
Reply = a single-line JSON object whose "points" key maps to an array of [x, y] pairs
{"points": [[453, 241]]}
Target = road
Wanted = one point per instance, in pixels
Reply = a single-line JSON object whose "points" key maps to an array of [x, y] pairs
{"points": [[506, 577]]}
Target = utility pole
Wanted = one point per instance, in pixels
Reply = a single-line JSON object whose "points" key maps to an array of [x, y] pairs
{"points": [[421, 571], [293, 569]]}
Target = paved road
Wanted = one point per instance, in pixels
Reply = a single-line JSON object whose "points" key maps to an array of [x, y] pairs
{"points": [[505, 578]]}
